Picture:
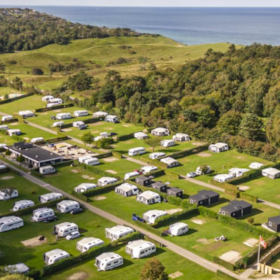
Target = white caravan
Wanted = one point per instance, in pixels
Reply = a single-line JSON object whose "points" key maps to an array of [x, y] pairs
{"points": [[22, 204], [117, 232], [81, 113], [7, 193], [66, 206], [54, 256], [85, 187], [129, 175], [37, 140], [136, 151], [99, 114], [156, 155], [87, 243], [92, 161], [56, 101], [26, 114], [10, 222], [140, 248], [47, 98], [221, 178], [47, 170], [49, 197], [167, 143], [12, 132], [63, 116], [104, 181], [140, 135], [127, 189], [82, 159], [255, 165], [178, 229], [160, 131], [151, 215], [111, 118], [238, 172], [7, 118], [170, 162], [148, 169], [42, 214], [4, 127], [51, 105], [78, 124], [181, 137], [58, 124], [19, 268], [149, 197], [108, 261], [65, 228]]}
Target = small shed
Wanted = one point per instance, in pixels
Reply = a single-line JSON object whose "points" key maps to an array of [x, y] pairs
{"points": [[143, 181], [204, 198], [236, 209], [159, 186], [274, 223], [175, 192]]}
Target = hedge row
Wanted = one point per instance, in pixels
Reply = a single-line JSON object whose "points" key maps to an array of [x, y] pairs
{"points": [[9, 121], [15, 98], [104, 155], [59, 106], [149, 228], [126, 137], [5, 170], [225, 185], [153, 162], [117, 155], [80, 196], [248, 197], [224, 275], [57, 139]]}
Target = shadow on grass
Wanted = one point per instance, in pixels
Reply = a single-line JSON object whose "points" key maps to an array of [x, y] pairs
{"points": [[254, 212], [221, 201]]}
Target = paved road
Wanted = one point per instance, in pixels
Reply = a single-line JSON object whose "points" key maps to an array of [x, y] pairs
{"points": [[171, 246]]}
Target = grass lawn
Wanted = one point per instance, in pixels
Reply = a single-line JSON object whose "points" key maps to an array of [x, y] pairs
{"points": [[14, 251], [7, 90], [26, 190]]}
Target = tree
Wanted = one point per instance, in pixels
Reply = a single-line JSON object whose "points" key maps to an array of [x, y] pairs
{"points": [[79, 82], [104, 143], [153, 270], [87, 138], [20, 158], [153, 142], [229, 123], [37, 71], [203, 169], [8, 153]]}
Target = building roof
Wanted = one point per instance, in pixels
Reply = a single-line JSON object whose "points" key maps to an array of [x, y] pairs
{"points": [[10, 219], [168, 160], [151, 213], [49, 195], [174, 190], [178, 225], [204, 194], [219, 145], [142, 178], [17, 268], [271, 171], [56, 253], [160, 129], [158, 184], [275, 219], [65, 225], [67, 202], [8, 191], [235, 205]]}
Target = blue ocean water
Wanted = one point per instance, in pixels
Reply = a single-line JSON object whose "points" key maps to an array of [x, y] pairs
{"points": [[186, 25]]}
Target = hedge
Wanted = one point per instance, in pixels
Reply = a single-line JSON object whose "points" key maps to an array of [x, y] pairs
{"points": [[225, 264], [15, 98], [153, 162], [105, 155], [59, 106], [248, 197], [80, 196], [234, 193], [57, 139], [224, 275], [5, 170], [9, 121], [117, 155], [148, 227], [225, 185], [126, 137]]}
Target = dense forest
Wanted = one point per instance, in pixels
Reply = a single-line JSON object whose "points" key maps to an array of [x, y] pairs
{"points": [[232, 96], [25, 29]]}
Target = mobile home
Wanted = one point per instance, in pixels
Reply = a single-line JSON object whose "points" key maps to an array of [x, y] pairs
{"points": [[255, 165], [92, 161], [81, 113], [238, 172], [85, 187], [104, 181], [108, 261], [87, 243], [56, 101], [12, 132], [47, 98], [54, 256], [271, 173], [130, 175], [64, 229], [47, 170], [26, 114], [8, 193], [148, 169], [58, 124], [221, 178], [63, 116], [82, 159], [151, 215], [10, 223], [140, 248], [181, 137], [167, 143], [199, 171], [37, 140], [160, 131], [127, 189], [178, 229], [66, 206], [22, 204], [19, 268], [42, 214], [136, 151], [117, 232], [149, 197], [49, 197]]}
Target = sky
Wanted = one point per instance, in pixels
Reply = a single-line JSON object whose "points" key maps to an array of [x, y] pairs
{"points": [[146, 3]]}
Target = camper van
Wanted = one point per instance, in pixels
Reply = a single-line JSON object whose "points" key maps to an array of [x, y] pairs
{"points": [[130, 175], [42, 214], [8, 193], [149, 197], [47, 170], [156, 155], [148, 169], [47, 98], [87, 243], [49, 197], [92, 161], [112, 119], [58, 124], [178, 229], [54, 256], [136, 151], [151, 215], [78, 124], [4, 127], [63, 116], [22, 204], [12, 132], [7, 118], [26, 114], [10, 222], [66, 206], [167, 143], [104, 181], [85, 187], [117, 232], [140, 248], [64, 229], [81, 113], [127, 189], [108, 261], [37, 140]]}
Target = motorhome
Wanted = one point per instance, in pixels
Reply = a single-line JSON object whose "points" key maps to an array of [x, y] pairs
{"points": [[85, 187], [112, 119], [104, 181], [37, 140], [78, 124], [7, 118], [149, 197], [156, 155], [151, 215], [81, 113], [221, 178], [12, 132], [167, 143], [42, 214], [22, 204], [54, 256], [108, 261], [10, 223], [8, 193], [92, 161], [58, 124], [66, 206], [136, 151], [170, 162], [99, 114], [130, 175], [47, 98], [64, 229], [127, 189], [148, 169], [181, 137], [117, 232], [140, 135], [160, 131], [4, 127], [26, 114], [177, 229], [47, 170], [49, 197], [87, 243], [140, 248], [63, 116]]}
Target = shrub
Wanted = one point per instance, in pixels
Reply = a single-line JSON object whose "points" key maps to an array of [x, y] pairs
{"points": [[37, 71], [251, 221]]}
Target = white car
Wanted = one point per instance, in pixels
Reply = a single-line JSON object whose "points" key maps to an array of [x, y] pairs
{"points": [[73, 235]]}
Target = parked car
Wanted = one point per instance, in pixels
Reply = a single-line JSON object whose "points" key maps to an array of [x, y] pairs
{"points": [[191, 175], [73, 235], [76, 211], [50, 219], [53, 117]]}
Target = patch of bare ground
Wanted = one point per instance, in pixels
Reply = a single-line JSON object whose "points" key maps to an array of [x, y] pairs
{"points": [[204, 155], [7, 177], [231, 256], [173, 211], [78, 276], [175, 275], [33, 242], [110, 159], [100, 198]]}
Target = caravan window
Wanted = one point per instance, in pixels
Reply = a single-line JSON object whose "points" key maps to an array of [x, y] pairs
{"points": [[116, 261]]}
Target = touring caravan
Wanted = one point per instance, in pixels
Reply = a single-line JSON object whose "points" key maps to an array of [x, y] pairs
{"points": [[160, 131], [85, 187], [148, 169], [256, 165], [156, 155], [140, 248], [238, 172], [64, 229], [12, 132], [170, 162], [51, 105], [63, 116], [37, 140], [104, 181], [4, 127], [181, 137], [54, 256], [151, 215], [167, 143], [22, 204], [47, 98], [117, 232], [49, 197], [221, 178], [56, 101], [99, 114], [47, 170], [82, 159], [87, 243], [81, 113], [42, 214], [127, 189], [78, 124], [136, 151], [178, 229], [66, 206], [199, 171], [7, 118], [140, 135], [149, 197], [111, 119], [58, 124], [92, 161], [8, 193], [108, 261], [26, 114], [130, 175], [10, 222]]}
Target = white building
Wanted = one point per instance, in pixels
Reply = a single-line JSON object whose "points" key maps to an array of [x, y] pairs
{"points": [[47, 170], [117, 232], [111, 118], [8, 193], [49, 197], [127, 189], [178, 229], [54, 256], [140, 248], [26, 114], [37, 140], [148, 169], [12, 132], [65, 228], [160, 131], [81, 113], [85, 187], [136, 151], [140, 135], [66, 206], [99, 114], [10, 223], [218, 147], [156, 155], [108, 261], [87, 243], [167, 143], [42, 214], [238, 172], [152, 215], [271, 173], [63, 116], [181, 137], [255, 165], [104, 181], [170, 162], [22, 204], [221, 178], [149, 197]]}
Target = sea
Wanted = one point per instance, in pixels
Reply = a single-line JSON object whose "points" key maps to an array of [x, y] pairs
{"points": [[191, 26]]}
